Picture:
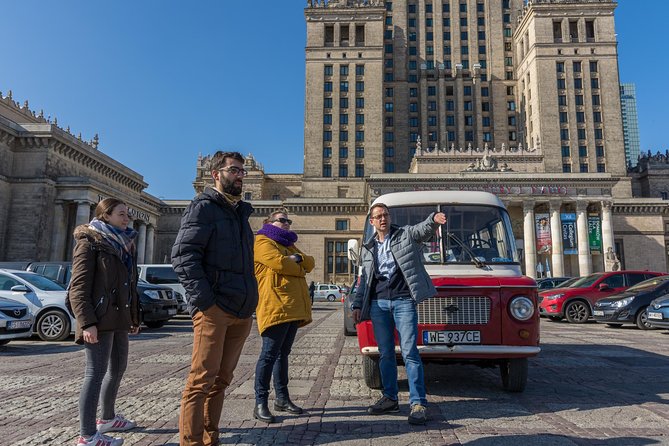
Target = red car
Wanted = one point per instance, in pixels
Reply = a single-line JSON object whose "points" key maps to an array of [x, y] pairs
{"points": [[576, 301]]}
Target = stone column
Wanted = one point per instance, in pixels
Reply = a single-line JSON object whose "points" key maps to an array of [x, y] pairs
{"points": [[584, 259], [83, 213], [148, 252], [557, 255], [141, 240], [530, 239], [58, 234], [607, 232]]}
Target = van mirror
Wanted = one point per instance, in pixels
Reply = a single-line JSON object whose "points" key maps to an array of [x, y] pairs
{"points": [[353, 250]]}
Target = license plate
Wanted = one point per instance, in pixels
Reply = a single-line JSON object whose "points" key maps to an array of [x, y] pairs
{"points": [[452, 337], [598, 313], [171, 311], [653, 315], [17, 325]]}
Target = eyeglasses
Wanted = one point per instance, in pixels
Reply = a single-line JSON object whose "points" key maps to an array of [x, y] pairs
{"points": [[235, 171], [380, 216], [284, 220]]}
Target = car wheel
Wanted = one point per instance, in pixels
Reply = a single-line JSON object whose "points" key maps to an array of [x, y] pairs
{"points": [[331, 297], [555, 318], [154, 324], [514, 374], [642, 320], [53, 325], [347, 330], [577, 312], [615, 325], [371, 372]]}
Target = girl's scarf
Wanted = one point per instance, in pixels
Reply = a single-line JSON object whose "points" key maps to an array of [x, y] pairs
{"points": [[122, 241], [279, 235]]}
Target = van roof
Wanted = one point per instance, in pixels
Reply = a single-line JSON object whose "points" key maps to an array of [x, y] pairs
{"points": [[422, 197]]}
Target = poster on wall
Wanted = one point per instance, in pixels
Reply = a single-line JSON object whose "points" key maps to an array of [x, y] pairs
{"points": [[569, 241], [595, 233], [542, 229]]}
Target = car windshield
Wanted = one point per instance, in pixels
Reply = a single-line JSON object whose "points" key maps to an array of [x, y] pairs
{"points": [[568, 283], [471, 232], [649, 284], [586, 281], [41, 282]]}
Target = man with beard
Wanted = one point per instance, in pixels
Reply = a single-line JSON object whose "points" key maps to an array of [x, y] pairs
{"points": [[213, 257]]}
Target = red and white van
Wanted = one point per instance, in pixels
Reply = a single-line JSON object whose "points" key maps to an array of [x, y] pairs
{"points": [[485, 311]]}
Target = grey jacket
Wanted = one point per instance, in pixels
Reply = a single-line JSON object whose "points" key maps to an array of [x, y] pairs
{"points": [[406, 247]]}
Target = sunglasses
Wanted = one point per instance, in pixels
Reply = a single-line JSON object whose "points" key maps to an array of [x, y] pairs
{"points": [[284, 220]]}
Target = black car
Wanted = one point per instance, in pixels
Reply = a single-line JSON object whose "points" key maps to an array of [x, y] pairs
{"points": [[551, 282], [349, 327], [157, 304], [629, 307], [658, 312]]}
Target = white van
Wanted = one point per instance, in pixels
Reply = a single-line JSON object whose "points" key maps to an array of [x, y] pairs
{"points": [[327, 291], [163, 274]]}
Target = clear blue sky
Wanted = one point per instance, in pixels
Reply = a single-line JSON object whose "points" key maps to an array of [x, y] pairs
{"points": [[164, 80]]}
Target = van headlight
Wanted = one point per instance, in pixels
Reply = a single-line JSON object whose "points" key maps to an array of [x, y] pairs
{"points": [[153, 294], [521, 308]]}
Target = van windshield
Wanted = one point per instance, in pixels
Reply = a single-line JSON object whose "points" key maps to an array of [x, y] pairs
{"points": [[161, 275], [481, 231]]}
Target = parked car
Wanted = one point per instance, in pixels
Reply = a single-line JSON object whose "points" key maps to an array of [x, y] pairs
{"points": [[350, 328], [60, 272], [45, 299], [576, 301], [327, 291], [629, 307], [658, 312], [163, 274], [548, 283], [157, 304], [16, 320]]}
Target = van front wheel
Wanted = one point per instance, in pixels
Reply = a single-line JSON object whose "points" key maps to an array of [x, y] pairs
{"points": [[514, 374], [371, 372]]}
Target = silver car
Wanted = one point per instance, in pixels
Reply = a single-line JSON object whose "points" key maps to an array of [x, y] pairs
{"points": [[16, 320]]}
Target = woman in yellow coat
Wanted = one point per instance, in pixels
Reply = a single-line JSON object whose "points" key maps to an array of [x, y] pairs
{"points": [[284, 305]]}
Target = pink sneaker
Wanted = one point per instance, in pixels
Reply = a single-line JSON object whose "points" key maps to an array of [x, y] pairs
{"points": [[100, 440], [117, 424]]}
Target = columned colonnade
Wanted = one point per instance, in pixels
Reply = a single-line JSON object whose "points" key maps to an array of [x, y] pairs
{"points": [[557, 256]]}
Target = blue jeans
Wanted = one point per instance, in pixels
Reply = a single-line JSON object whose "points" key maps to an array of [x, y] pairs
{"points": [[388, 315], [277, 341], [106, 362]]}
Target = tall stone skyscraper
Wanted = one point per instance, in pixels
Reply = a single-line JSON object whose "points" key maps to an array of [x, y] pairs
{"points": [[630, 123], [457, 74]]}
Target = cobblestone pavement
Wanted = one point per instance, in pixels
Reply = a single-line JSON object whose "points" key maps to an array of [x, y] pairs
{"points": [[591, 385]]}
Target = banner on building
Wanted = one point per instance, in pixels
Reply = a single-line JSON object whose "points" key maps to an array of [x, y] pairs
{"points": [[569, 240], [595, 233], [543, 233]]}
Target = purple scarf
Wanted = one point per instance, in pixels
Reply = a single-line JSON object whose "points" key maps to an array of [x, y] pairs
{"points": [[286, 238]]}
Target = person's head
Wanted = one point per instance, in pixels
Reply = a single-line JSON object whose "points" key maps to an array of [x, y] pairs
{"points": [[279, 219], [227, 170], [379, 217], [113, 212]]}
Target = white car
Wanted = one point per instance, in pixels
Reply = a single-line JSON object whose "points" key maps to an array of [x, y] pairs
{"points": [[327, 291], [45, 299], [163, 274], [16, 320]]}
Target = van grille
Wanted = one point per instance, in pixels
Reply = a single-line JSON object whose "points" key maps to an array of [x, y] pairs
{"points": [[457, 310]]}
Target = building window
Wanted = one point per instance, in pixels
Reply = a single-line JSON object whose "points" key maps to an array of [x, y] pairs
{"points": [[389, 152], [583, 167], [327, 70], [343, 170], [580, 116], [413, 107], [485, 121], [343, 135], [327, 103], [467, 90], [485, 106], [590, 30], [564, 134], [343, 70], [431, 90], [360, 86], [597, 116], [413, 122], [599, 134], [577, 67], [566, 153], [511, 120], [343, 152], [359, 119], [579, 99], [431, 120], [446, 22], [594, 83], [559, 67], [247, 196], [467, 105], [327, 152], [360, 70], [359, 170], [359, 152], [327, 135], [512, 136], [389, 167], [561, 84], [578, 83], [485, 91], [593, 66], [599, 150], [601, 167], [343, 119], [582, 151], [581, 134], [388, 136], [360, 135], [563, 117], [343, 102], [359, 102], [469, 120], [389, 106], [343, 86], [511, 105], [327, 119], [327, 170], [566, 168], [327, 87], [337, 257]]}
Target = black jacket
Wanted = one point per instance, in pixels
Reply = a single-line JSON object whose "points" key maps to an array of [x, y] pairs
{"points": [[213, 255]]}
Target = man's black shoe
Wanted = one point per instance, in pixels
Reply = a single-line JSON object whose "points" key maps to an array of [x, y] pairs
{"points": [[287, 406], [383, 405], [261, 412]]}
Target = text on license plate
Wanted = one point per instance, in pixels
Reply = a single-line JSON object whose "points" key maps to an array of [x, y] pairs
{"points": [[452, 337], [653, 315], [598, 313], [17, 325]]}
